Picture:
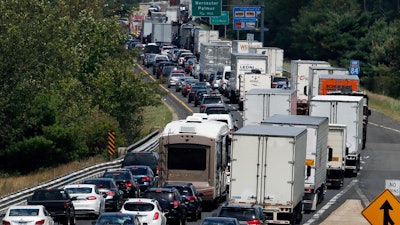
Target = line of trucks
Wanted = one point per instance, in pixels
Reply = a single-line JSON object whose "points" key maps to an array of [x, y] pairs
{"points": [[283, 158]]}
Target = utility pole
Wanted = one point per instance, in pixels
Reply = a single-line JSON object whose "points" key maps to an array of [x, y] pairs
{"points": [[262, 4]]}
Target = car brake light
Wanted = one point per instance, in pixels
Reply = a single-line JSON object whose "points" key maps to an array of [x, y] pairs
{"points": [[91, 198], [111, 193], [129, 184], [65, 205], [190, 198], [230, 131], [254, 222], [176, 204], [145, 178], [156, 216], [6, 222], [39, 222], [157, 169]]}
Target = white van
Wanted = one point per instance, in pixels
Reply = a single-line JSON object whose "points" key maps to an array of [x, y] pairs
{"points": [[222, 79]]}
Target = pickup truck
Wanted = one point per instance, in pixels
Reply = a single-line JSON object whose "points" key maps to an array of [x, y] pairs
{"points": [[57, 202]]}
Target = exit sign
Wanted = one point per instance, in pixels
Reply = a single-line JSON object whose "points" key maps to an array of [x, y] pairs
{"points": [[220, 20], [206, 8]]}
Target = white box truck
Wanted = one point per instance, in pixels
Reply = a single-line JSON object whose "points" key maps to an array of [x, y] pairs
{"points": [[275, 59], [243, 46], [336, 155], [213, 55], [147, 27], [313, 86], [267, 169], [300, 76], [346, 110], [203, 36], [262, 103], [173, 14], [161, 33], [316, 159], [249, 81], [242, 63]]}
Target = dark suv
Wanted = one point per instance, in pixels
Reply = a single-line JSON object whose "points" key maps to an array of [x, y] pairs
{"points": [[150, 159], [125, 181], [210, 99], [144, 176], [192, 198], [169, 199], [244, 213]]}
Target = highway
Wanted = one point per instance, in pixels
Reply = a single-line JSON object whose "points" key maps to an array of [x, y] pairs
{"points": [[379, 162]]}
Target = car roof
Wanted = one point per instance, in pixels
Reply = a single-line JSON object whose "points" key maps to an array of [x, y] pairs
{"points": [[79, 185], [137, 166], [26, 207], [99, 179], [146, 200]]}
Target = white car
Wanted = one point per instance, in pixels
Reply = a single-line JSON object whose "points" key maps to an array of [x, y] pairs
{"points": [[148, 210], [27, 215], [89, 201]]}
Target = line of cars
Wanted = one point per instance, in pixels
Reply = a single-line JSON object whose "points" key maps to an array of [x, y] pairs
{"points": [[126, 196]]}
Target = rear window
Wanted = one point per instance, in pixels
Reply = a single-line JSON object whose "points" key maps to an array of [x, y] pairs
{"points": [[208, 100], [139, 206], [178, 158], [138, 171], [212, 110], [117, 175], [140, 159], [99, 183], [242, 214], [184, 191], [24, 212], [77, 190], [159, 196]]}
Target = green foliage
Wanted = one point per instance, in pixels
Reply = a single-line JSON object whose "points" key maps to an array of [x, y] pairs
{"points": [[66, 82]]}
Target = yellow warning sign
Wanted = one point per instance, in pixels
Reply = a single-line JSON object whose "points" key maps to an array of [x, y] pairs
{"points": [[384, 210]]}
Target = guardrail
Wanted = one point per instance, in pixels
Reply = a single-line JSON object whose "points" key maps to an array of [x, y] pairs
{"points": [[149, 143]]}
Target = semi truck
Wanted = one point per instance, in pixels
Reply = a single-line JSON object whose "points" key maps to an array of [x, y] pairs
{"points": [[275, 59], [337, 145], [267, 169], [316, 158], [203, 36], [242, 63], [262, 103], [346, 110], [300, 76]]}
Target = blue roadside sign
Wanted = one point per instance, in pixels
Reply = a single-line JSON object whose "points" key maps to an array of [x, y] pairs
{"points": [[354, 67]]}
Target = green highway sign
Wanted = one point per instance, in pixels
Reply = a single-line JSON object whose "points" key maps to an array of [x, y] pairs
{"points": [[220, 20], [206, 8]]}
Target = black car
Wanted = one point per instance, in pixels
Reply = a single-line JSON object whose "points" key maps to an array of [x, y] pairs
{"points": [[115, 197], [144, 176], [150, 159], [199, 95], [169, 199], [117, 218], [244, 213], [192, 198], [125, 181], [193, 90]]}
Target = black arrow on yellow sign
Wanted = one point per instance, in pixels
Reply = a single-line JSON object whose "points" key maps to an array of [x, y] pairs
{"points": [[386, 217]]}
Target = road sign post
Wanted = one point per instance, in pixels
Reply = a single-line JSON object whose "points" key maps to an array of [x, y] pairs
{"points": [[384, 210]]}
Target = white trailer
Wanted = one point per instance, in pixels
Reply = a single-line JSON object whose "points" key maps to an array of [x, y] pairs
{"points": [[313, 80], [336, 155], [316, 159], [275, 59], [213, 55], [161, 32], [249, 81], [346, 110], [203, 36], [242, 63], [300, 75], [172, 14], [243, 46], [267, 169], [262, 103], [147, 27]]}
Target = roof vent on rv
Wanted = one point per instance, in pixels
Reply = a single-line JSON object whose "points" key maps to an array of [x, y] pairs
{"points": [[194, 119]]}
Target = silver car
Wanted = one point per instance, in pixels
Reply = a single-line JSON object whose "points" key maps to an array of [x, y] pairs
{"points": [[173, 78]]}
